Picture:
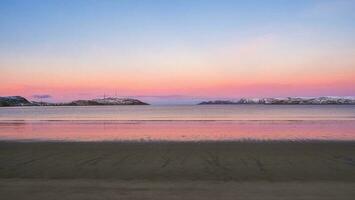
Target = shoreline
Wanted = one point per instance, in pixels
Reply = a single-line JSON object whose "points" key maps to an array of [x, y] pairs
{"points": [[143, 141], [177, 130]]}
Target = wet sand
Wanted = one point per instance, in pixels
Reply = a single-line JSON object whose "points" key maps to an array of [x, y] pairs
{"points": [[176, 170], [178, 130]]}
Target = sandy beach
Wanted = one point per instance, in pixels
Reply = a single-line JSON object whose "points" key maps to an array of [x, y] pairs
{"points": [[133, 170], [88, 189]]}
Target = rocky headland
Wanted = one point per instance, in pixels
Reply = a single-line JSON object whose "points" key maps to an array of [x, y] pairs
{"points": [[21, 101]]}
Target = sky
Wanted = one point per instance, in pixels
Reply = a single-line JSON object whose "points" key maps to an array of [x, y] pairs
{"points": [[176, 51]]}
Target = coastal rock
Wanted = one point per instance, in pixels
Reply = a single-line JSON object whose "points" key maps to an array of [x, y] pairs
{"points": [[14, 101], [107, 101], [21, 101]]}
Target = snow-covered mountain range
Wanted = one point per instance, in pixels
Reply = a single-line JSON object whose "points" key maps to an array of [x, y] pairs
{"points": [[288, 100]]}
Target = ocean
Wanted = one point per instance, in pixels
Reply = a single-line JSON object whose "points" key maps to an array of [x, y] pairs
{"points": [[178, 123]]}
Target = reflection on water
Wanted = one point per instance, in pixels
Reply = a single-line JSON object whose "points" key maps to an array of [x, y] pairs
{"points": [[220, 122], [209, 112], [177, 130]]}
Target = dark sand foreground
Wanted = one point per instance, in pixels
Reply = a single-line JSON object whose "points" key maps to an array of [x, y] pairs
{"points": [[177, 170], [33, 189]]}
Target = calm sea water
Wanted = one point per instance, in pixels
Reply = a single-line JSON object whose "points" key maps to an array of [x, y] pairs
{"points": [[183, 123]]}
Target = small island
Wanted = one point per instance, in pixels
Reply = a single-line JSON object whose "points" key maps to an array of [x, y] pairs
{"points": [[286, 101], [111, 101]]}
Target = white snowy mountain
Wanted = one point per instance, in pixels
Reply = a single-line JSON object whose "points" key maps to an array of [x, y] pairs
{"points": [[287, 100]]}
